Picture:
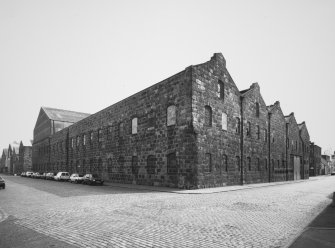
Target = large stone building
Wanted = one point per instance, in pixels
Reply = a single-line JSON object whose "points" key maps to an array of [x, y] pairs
{"points": [[192, 130]]}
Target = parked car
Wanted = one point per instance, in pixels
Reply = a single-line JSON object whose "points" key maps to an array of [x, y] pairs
{"points": [[76, 178], [92, 179], [2, 183], [23, 174], [35, 175], [44, 176], [62, 176], [51, 175], [29, 173]]}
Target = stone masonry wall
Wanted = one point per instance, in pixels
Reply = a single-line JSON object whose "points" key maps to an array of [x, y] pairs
{"points": [[158, 154], [217, 149], [277, 160], [255, 145]]}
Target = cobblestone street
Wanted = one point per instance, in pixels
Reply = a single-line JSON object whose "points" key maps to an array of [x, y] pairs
{"points": [[109, 216]]}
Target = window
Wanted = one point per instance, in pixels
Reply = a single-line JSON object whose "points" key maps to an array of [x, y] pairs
{"points": [[238, 163], [134, 165], [266, 164], [121, 129], [72, 142], [257, 109], [258, 164], [265, 135], [172, 164], [151, 164], [121, 164], [249, 163], [248, 129], [225, 162], [238, 125], [100, 136], [171, 115], [134, 126], [258, 132], [91, 137], [84, 139], [220, 90], [208, 162], [109, 132], [78, 140], [224, 122], [208, 116]]}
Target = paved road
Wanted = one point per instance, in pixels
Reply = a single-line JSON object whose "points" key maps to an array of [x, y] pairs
{"points": [[85, 216]]}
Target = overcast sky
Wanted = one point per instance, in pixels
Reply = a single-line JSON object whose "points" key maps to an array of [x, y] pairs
{"points": [[86, 55]]}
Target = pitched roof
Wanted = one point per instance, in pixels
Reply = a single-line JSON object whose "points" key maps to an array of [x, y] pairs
{"points": [[64, 115], [5, 150]]}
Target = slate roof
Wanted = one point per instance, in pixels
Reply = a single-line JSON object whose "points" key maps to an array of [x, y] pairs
{"points": [[64, 115]]}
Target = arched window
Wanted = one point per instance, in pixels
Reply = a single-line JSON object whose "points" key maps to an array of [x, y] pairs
{"points": [[249, 163], [220, 90], [208, 165], [208, 116], [257, 109], [171, 118], [258, 132], [134, 165], [172, 164], [238, 163], [248, 129], [134, 126], [238, 125], [224, 122], [151, 165], [258, 165], [225, 162]]}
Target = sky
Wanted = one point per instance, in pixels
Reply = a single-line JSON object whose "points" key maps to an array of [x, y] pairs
{"points": [[85, 55]]}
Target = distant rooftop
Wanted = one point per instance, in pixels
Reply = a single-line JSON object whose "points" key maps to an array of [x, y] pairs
{"points": [[64, 115]]}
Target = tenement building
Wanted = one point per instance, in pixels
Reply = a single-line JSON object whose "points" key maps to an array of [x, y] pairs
{"points": [[195, 129]]}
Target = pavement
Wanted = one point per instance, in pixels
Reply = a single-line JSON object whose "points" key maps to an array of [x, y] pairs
{"points": [[62, 214], [320, 232]]}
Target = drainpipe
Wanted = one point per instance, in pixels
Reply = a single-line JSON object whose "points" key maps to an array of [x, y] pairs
{"points": [[269, 144], [67, 150], [286, 150], [241, 138]]}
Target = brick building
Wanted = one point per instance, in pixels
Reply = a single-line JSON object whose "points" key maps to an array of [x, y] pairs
{"points": [[25, 157], [314, 160], [49, 121], [192, 130]]}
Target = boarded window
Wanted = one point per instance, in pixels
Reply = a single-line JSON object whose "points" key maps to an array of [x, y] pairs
{"points": [[220, 90], [224, 122], [91, 137], [109, 132], [78, 140], [72, 142], [151, 164], [134, 126], [208, 162], [208, 116], [171, 115], [171, 164]]}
